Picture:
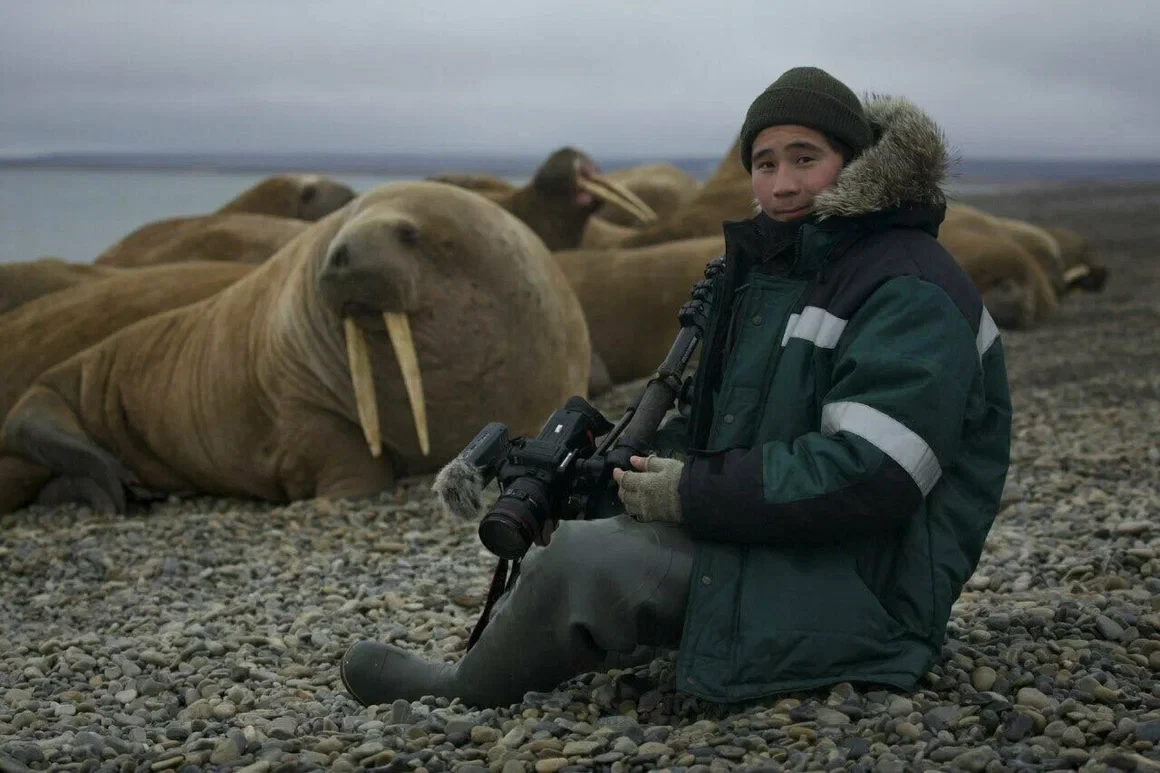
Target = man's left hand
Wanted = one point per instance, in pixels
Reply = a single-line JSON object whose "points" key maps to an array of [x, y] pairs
{"points": [[651, 494]]}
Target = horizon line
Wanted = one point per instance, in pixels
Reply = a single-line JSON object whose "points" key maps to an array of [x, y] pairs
{"points": [[18, 156]]}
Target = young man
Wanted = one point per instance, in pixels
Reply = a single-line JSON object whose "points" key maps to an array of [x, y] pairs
{"points": [[843, 456]]}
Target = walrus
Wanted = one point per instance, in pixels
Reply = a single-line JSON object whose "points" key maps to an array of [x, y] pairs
{"points": [[631, 298], [562, 194], [726, 195], [50, 329], [240, 237], [315, 374], [488, 185], [1041, 242], [662, 186], [1014, 287], [300, 196], [28, 280], [1080, 271], [1041, 245], [1034, 240]]}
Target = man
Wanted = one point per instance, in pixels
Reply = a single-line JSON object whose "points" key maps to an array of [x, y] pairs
{"points": [[843, 457]]}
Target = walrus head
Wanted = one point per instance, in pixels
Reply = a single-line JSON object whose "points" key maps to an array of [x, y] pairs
{"points": [[369, 278], [1081, 273], [461, 293], [308, 197], [571, 175], [319, 196]]}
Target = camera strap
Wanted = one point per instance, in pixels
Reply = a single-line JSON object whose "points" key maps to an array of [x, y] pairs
{"points": [[500, 583]]}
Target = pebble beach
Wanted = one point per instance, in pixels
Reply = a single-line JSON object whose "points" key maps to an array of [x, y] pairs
{"points": [[204, 634]]}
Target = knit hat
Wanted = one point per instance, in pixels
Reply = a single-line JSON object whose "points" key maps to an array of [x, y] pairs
{"points": [[807, 96]]}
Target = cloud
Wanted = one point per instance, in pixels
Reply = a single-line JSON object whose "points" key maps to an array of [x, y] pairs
{"points": [[1035, 78]]}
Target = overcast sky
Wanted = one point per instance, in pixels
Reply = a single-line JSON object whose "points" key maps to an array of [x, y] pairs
{"points": [[1006, 78]]}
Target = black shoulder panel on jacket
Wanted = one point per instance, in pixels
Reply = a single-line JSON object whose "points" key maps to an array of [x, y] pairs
{"points": [[878, 258]]}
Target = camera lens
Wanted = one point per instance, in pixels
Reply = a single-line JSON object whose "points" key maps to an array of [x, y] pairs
{"points": [[509, 529], [504, 535]]}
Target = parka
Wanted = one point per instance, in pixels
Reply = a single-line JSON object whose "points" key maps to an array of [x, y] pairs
{"points": [[848, 436]]}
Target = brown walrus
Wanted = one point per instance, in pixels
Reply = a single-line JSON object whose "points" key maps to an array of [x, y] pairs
{"points": [[238, 237], [631, 298], [52, 328], [665, 188], [314, 374], [28, 280], [1014, 287], [301, 196], [1065, 272], [562, 194]]}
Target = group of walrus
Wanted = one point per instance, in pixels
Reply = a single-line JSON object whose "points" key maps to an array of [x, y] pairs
{"points": [[304, 340]]}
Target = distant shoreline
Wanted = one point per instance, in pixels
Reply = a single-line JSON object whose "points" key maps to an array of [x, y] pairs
{"points": [[972, 171]]}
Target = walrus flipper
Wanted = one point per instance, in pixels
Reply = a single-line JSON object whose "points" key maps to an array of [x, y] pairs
{"points": [[19, 482], [43, 430]]}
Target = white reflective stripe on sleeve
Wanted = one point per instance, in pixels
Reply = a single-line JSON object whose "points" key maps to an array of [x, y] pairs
{"points": [[816, 325], [988, 332], [891, 437]]}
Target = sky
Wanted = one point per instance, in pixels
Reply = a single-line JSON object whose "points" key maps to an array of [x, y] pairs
{"points": [[1039, 79]]}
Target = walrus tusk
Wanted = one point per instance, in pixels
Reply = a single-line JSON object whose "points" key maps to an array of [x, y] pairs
{"points": [[616, 194], [650, 216], [1076, 272], [364, 386], [400, 331]]}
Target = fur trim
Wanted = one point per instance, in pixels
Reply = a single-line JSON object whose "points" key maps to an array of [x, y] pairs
{"points": [[908, 163]]}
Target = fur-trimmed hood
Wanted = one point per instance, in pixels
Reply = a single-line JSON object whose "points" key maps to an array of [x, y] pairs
{"points": [[907, 164]]}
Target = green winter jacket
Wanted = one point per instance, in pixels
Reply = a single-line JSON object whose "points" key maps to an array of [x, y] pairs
{"points": [[846, 456]]}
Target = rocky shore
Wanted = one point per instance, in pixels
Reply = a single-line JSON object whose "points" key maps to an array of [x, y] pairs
{"points": [[204, 634]]}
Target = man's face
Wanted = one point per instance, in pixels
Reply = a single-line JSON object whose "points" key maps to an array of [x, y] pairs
{"points": [[791, 165]]}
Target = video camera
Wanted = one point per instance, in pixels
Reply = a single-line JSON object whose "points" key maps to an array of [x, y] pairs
{"points": [[564, 472]]}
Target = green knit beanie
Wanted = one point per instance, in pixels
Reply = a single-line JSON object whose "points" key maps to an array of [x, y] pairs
{"points": [[807, 96]]}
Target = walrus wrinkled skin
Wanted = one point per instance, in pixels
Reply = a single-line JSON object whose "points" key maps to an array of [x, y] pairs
{"points": [[52, 328], [561, 196], [238, 237], [664, 187], [31, 279], [1014, 287], [631, 298], [308, 197], [252, 392]]}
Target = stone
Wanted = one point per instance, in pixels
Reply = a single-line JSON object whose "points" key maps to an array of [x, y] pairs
{"points": [[974, 760], [482, 734], [551, 764], [983, 678], [1073, 736], [1029, 696], [1148, 731]]}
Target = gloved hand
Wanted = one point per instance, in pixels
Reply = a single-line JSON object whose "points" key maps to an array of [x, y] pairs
{"points": [[651, 495]]}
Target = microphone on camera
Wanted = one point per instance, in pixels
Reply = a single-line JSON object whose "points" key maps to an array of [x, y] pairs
{"points": [[459, 487]]}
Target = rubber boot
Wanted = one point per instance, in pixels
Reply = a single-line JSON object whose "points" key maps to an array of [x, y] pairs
{"points": [[602, 588]]}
